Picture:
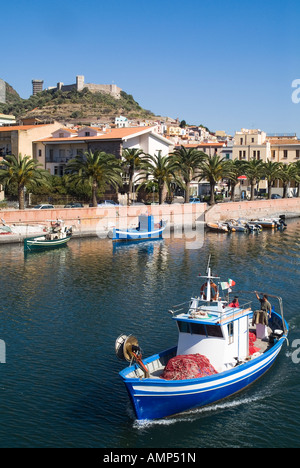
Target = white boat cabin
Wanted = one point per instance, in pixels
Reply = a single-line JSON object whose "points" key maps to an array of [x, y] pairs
{"points": [[215, 330]]}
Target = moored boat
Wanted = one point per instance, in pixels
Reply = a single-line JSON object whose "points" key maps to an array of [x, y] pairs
{"points": [[218, 227], [217, 355], [272, 223], [57, 235], [146, 230]]}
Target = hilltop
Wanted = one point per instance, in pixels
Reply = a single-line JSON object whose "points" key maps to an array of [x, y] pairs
{"points": [[73, 106]]}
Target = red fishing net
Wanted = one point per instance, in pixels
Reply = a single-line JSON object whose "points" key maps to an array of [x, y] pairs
{"points": [[252, 348], [190, 366]]}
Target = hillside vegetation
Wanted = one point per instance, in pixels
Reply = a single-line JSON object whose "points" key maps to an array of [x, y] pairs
{"points": [[73, 106]]}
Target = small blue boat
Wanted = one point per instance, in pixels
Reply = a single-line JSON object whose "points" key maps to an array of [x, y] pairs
{"points": [[216, 332], [146, 230]]}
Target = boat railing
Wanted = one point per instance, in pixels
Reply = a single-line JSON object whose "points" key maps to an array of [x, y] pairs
{"points": [[279, 299]]}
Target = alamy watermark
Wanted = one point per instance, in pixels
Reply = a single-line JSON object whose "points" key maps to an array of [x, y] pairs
{"points": [[2, 352], [181, 222], [296, 93]]}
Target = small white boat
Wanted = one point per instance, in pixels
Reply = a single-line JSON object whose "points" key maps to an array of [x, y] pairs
{"points": [[272, 223], [241, 225], [218, 227], [217, 355]]}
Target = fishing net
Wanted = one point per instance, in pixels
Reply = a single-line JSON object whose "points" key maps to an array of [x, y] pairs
{"points": [[252, 348], [190, 366]]}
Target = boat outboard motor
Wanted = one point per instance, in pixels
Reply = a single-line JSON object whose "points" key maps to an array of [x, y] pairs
{"points": [[282, 221]]}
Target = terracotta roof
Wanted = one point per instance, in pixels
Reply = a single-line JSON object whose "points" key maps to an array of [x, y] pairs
{"points": [[283, 141], [110, 134], [198, 145], [19, 127]]}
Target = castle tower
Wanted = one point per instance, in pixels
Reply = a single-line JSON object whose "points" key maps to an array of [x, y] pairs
{"points": [[2, 91], [37, 86], [79, 82]]}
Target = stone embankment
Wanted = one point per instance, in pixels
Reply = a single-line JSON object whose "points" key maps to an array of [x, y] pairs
{"points": [[99, 221]]}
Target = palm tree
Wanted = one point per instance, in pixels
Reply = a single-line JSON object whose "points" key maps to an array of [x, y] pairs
{"points": [[186, 162], [97, 169], [271, 173], [158, 170], [236, 170], [297, 176], [287, 173], [131, 162], [214, 169], [22, 171], [254, 170]]}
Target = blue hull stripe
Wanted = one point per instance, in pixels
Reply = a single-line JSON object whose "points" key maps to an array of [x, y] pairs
{"points": [[151, 398]]}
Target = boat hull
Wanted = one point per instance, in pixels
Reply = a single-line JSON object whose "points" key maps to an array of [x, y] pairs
{"points": [[136, 236], [158, 398], [37, 244]]}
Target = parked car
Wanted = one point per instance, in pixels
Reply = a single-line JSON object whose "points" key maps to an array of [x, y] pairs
{"points": [[43, 207], [74, 205], [108, 203], [275, 195], [195, 200]]}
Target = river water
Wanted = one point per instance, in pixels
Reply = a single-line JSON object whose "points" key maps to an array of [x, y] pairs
{"points": [[61, 312]]}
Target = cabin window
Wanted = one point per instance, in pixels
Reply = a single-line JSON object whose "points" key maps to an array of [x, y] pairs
{"points": [[214, 330], [183, 327], [230, 332], [197, 329]]}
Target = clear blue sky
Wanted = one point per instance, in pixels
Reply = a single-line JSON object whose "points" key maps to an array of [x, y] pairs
{"points": [[225, 64]]}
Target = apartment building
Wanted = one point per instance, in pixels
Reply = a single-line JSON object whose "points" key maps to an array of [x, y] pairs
{"points": [[251, 144], [65, 144], [284, 149]]}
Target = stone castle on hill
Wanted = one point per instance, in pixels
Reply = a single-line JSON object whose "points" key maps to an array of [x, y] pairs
{"points": [[114, 90]]}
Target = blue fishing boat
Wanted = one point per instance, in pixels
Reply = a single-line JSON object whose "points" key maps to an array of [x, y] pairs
{"points": [[221, 350], [146, 230]]}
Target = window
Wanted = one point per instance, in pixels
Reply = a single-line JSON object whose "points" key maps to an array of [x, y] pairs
{"points": [[297, 154], [183, 327], [258, 154], [241, 141], [40, 153], [197, 329], [230, 332], [87, 133], [214, 330], [285, 154], [254, 154]]}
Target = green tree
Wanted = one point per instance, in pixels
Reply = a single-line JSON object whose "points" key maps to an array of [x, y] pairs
{"points": [[186, 163], [297, 176], [156, 170], [131, 162], [23, 172], [214, 169], [271, 173], [254, 170], [235, 171], [98, 170], [287, 174]]}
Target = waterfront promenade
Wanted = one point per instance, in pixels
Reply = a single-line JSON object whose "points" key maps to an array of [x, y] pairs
{"points": [[99, 221]]}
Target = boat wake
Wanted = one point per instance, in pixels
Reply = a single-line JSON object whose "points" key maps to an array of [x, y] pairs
{"points": [[193, 415], [196, 413]]}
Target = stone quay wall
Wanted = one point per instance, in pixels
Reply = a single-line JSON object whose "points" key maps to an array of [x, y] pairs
{"points": [[99, 221]]}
